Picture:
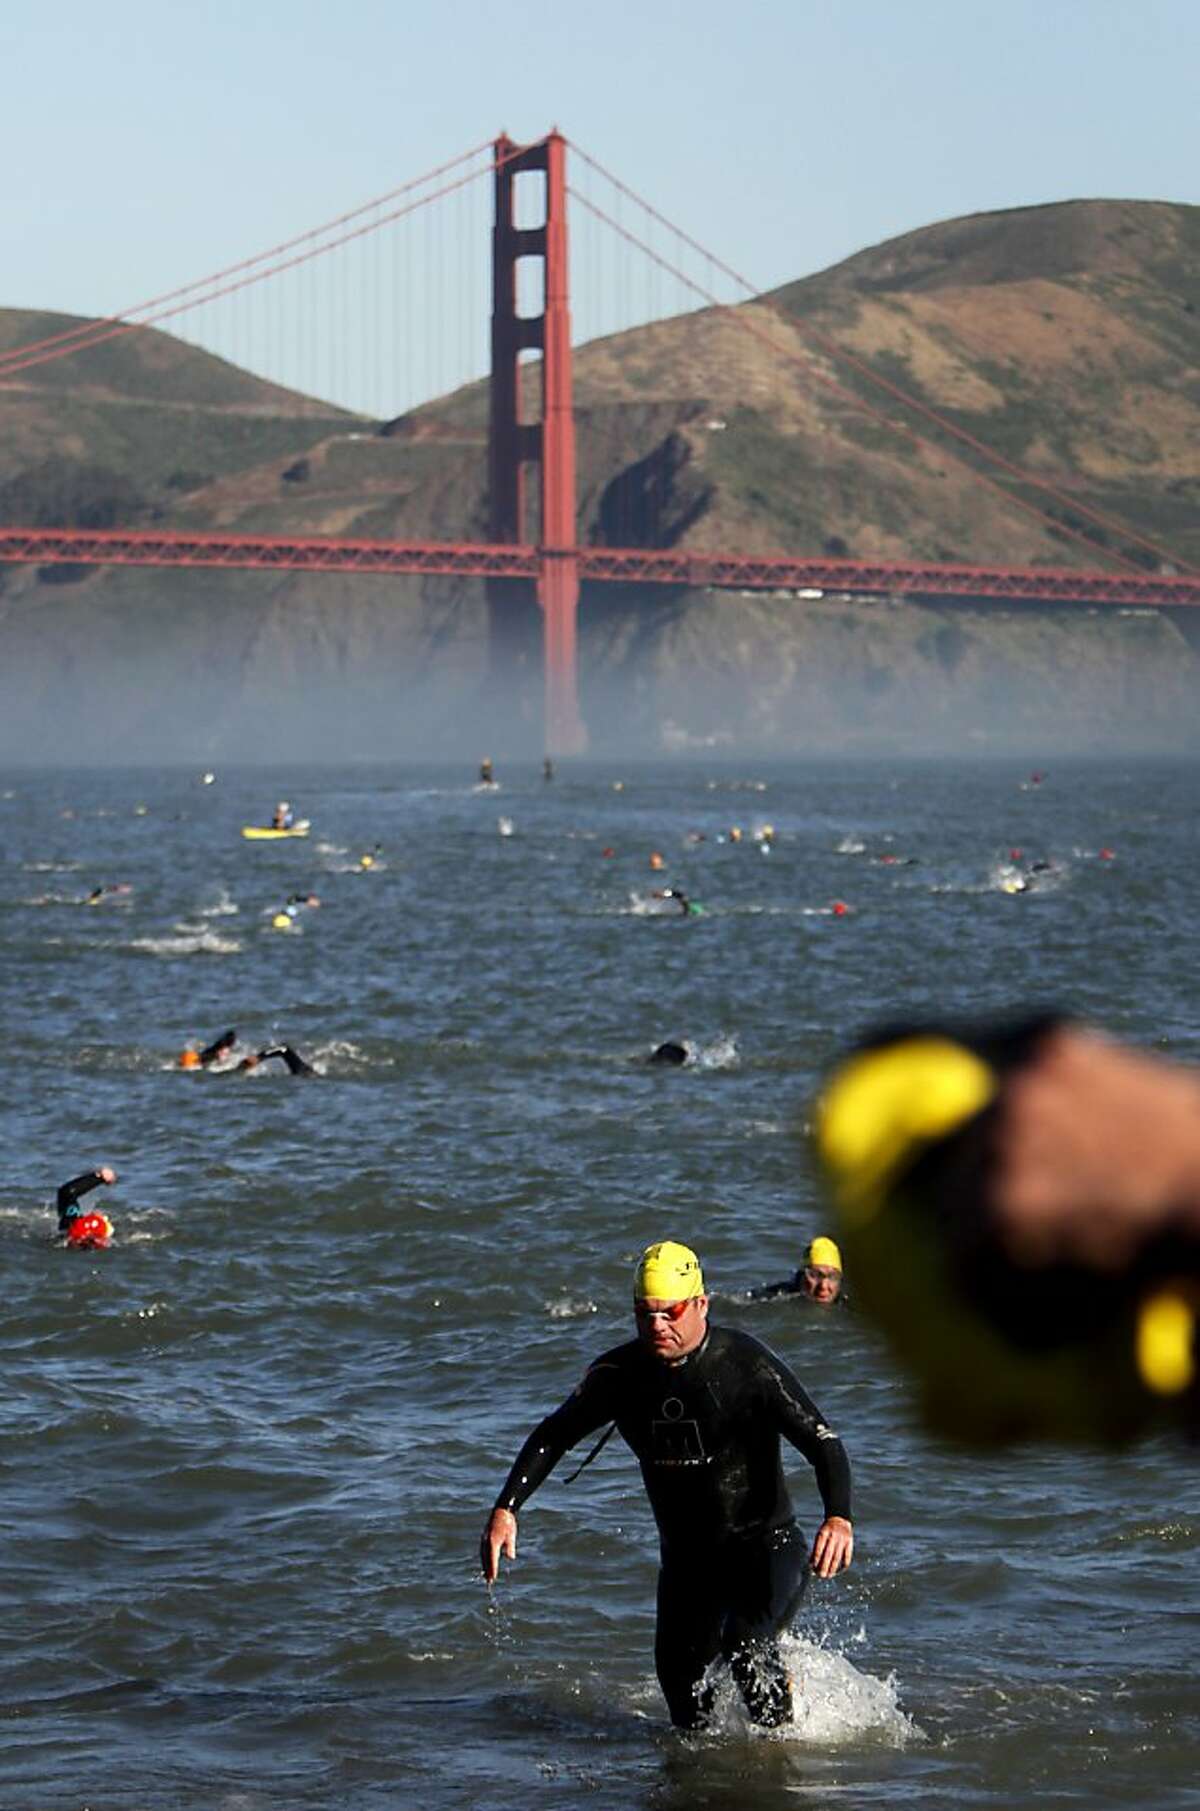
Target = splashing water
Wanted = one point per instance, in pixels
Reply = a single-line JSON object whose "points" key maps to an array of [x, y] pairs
{"points": [[224, 906], [193, 940], [834, 1703]]}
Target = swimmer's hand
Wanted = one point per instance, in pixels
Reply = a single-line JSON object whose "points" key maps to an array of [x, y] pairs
{"points": [[106, 1174], [500, 1536], [1096, 1151], [833, 1548]]}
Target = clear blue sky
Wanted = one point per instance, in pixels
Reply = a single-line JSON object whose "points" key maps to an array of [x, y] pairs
{"points": [[144, 145]]}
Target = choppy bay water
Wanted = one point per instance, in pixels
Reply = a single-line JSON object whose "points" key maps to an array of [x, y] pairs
{"points": [[248, 1451]]}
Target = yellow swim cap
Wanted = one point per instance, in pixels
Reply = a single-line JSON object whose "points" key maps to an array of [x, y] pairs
{"points": [[189, 1059], [824, 1251], [668, 1272]]}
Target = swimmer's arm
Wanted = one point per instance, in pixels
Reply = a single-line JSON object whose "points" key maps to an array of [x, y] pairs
{"points": [[801, 1421], [71, 1192], [285, 1053], [219, 1047], [588, 1408], [768, 1292]]}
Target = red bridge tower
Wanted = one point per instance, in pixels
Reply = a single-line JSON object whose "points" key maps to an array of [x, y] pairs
{"points": [[547, 441]]}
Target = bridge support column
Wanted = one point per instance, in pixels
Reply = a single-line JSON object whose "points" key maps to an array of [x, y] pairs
{"points": [[558, 595], [546, 441]]}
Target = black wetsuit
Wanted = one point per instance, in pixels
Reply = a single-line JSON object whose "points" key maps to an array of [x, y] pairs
{"points": [[218, 1048], [793, 1285], [69, 1196], [296, 1064], [768, 1292], [706, 1433]]}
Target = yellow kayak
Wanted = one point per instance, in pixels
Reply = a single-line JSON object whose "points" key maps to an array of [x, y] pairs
{"points": [[265, 833]]}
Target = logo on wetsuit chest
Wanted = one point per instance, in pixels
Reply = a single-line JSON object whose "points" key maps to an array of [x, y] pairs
{"points": [[675, 1439]]}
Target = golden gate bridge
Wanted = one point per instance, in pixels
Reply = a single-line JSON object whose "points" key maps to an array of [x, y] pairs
{"points": [[532, 545]]}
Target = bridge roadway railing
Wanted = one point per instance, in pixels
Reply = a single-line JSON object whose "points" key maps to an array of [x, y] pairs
{"points": [[613, 565]]}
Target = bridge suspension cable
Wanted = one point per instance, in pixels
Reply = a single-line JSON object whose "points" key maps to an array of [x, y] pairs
{"points": [[898, 427], [72, 339], [831, 349]]}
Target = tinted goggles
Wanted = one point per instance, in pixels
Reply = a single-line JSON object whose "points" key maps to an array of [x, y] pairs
{"points": [[674, 1311]]}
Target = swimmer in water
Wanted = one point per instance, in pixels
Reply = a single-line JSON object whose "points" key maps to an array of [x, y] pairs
{"points": [[486, 776], [669, 1055], [77, 1229], [296, 1064], [112, 891], [686, 907], [704, 1409], [212, 1053], [819, 1278]]}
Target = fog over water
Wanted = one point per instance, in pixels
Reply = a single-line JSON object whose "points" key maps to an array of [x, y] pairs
{"points": [[137, 668]]}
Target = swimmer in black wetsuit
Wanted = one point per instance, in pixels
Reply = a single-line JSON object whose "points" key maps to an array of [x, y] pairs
{"points": [[703, 1408], [77, 1228], [296, 1064], [212, 1053], [669, 1055], [819, 1278]]}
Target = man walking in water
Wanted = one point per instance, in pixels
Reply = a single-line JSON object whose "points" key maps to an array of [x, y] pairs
{"points": [[703, 1408]]}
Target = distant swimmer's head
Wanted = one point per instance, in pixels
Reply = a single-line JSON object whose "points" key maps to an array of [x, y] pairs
{"points": [[669, 1053], [189, 1059], [669, 1302], [89, 1232], [821, 1275]]}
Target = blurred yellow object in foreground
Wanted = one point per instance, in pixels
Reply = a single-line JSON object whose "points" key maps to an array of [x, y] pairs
{"points": [[906, 1137]]}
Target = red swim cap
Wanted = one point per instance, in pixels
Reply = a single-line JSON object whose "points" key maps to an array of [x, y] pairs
{"points": [[90, 1232], [840, 908]]}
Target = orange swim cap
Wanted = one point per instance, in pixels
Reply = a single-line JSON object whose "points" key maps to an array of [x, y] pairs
{"points": [[90, 1231], [189, 1059]]}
